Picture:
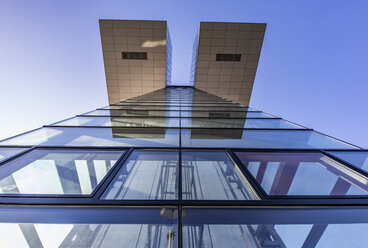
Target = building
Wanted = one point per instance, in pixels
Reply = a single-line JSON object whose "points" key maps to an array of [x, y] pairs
{"points": [[181, 166]]}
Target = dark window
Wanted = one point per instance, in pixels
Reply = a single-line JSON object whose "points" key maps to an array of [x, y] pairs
{"points": [[228, 57], [134, 55]]}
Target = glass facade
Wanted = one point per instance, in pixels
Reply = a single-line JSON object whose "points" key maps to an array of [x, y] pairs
{"points": [[148, 174], [308, 173], [57, 171], [257, 227], [179, 167]]}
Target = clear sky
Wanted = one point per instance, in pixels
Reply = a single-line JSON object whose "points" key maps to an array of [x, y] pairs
{"points": [[312, 71]]}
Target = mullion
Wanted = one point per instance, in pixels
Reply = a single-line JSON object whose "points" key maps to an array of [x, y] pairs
{"points": [[266, 201], [103, 185]]}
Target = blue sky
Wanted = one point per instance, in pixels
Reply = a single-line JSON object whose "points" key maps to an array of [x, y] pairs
{"points": [[312, 70]]}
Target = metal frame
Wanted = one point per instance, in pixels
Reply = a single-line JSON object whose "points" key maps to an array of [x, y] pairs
{"points": [[266, 201]]}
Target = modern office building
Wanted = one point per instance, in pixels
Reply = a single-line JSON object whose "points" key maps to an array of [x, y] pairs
{"points": [[181, 166]]}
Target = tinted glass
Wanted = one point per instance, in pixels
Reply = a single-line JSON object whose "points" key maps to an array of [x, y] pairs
{"points": [[120, 122], [147, 175], [151, 137], [8, 152], [224, 114], [88, 227], [303, 174], [237, 123], [358, 159], [212, 175], [61, 172], [259, 139], [265, 228], [140, 113]]}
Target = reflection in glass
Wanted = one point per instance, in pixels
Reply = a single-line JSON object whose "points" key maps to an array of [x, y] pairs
{"points": [[147, 175], [279, 228], [358, 158], [132, 113], [120, 122], [170, 102], [296, 173], [212, 175], [215, 108], [240, 138], [237, 123], [74, 136], [46, 171], [166, 108], [6, 152], [88, 227], [224, 114]]}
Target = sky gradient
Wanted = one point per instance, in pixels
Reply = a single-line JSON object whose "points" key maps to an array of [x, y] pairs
{"points": [[312, 69]]}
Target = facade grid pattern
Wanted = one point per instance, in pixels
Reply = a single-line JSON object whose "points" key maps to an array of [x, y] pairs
{"points": [[180, 167]]}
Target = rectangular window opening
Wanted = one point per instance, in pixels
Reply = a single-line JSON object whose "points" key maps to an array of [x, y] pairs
{"points": [[134, 55], [228, 57]]}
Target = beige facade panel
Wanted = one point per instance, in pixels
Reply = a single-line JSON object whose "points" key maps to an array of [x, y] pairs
{"points": [[127, 78], [232, 80]]}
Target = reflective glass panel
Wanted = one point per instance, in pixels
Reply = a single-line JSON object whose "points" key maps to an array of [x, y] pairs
{"points": [[167, 108], [259, 139], [143, 113], [224, 114], [177, 103], [73, 136], [309, 173], [77, 227], [6, 152], [237, 123], [147, 103], [212, 175], [214, 108], [62, 171], [147, 175], [120, 122], [358, 159], [277, 228]]}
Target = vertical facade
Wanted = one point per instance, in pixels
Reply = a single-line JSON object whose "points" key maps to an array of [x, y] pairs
{"points": [[191, 167], [225, 59], [179, 167], [137, 57]]}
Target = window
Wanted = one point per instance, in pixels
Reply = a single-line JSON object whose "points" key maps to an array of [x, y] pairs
{"points": [[77, 227], [134, 55], [134, 113], [120, 122], [6, 152], [212, 175], [76, 136], [308, 173], [228, 57], [282, 227], [237, 123], [213, 108], [214, 114], [147, 175], [122, 107], [239, 138], [57, 171], [358, 158]]}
